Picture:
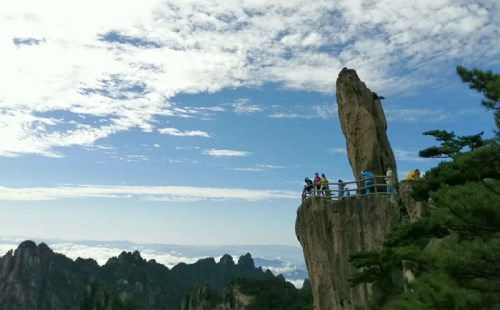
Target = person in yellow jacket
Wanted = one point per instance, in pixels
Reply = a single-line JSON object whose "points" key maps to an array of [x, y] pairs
{"points": [[324, 185], [413, 175]]}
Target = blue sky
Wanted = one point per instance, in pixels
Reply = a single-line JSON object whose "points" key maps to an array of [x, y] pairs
{"points": [[195, 122]]}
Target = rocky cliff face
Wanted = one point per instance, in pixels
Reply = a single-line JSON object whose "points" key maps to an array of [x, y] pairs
{"points": [[329, 232], [414, 209], [364, 125]]}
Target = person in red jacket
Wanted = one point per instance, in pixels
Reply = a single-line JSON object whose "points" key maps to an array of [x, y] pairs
{"points": [[317, 183]]}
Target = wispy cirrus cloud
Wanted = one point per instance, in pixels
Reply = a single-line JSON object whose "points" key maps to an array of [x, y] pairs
{"points": [[267, 166], [225, 153], [131, 59], [258, 168], [338, 150], [324, 111], [134, 158], [416, 115], [148, 193], [187, 133], [247, 169], [406, 155], [242, 106]]}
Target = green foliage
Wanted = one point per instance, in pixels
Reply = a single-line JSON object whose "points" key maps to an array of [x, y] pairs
{"points": [[274, 293], [474, 166], [485, 82], [97, 297], [437, 291], [474, 210], [450, 145], [457, 247], [488, 84], [376, 268]]}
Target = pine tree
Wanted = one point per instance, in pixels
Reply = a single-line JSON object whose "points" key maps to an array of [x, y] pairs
{"points": [[488, 84]]}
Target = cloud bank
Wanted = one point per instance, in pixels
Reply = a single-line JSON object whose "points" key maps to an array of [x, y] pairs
{"points": [[149, 193]]}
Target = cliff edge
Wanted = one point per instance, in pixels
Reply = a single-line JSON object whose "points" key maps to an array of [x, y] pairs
{"points": [[329, 232]]}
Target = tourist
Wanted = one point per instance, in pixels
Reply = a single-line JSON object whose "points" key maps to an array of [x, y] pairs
{"points": [[324, 186], [389, 180], [317, 183], [368, 177], [307, 188], [413, 175], [341, 186]]}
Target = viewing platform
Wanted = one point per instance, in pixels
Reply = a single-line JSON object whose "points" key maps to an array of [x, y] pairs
{"points": [[351, 189]]}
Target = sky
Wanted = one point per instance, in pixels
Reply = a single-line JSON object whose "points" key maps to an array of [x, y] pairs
{"points": [[195, 122]]}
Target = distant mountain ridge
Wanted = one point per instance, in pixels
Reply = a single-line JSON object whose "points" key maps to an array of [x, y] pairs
{"points": [[35, 277], [284, 259]]}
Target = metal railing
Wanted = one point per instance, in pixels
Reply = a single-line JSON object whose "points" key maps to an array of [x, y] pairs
{"points": [[351, 189]]}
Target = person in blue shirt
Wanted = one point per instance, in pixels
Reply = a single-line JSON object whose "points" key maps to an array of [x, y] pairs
{"points": [[341, 188], [369, 177]]}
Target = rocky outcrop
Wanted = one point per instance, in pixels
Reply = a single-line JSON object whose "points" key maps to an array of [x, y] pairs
{"points": [[329, 232], [414, 209], [364, 125], [34, 277]]}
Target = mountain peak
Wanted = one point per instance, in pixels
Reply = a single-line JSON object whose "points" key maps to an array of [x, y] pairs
{"points": [[226, 259], [27, 244], [246, 261]]}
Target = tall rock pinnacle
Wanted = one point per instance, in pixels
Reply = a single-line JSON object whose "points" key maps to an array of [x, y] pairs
{"points": [[364, 126]]}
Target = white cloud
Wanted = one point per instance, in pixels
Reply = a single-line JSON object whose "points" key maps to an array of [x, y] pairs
{"points": [[226, 153], [134, 158], [258, 168], [285, 115], [405, 155], [188, 148], [324, 111], [187, 133], [247, 169], [416, 115], [241, 106], [126, 62], [270, 166], [150, 193], [338, 150]]}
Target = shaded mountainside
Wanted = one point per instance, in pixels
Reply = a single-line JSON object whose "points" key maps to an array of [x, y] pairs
{"points": [[34, 277], [272, 293]]}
